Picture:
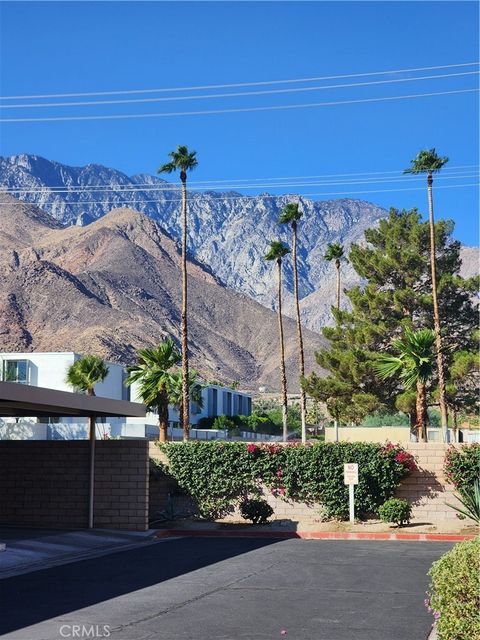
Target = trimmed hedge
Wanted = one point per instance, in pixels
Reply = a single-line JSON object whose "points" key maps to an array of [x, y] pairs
{"points": [[462, 465], [454, 592], [218, 475]]}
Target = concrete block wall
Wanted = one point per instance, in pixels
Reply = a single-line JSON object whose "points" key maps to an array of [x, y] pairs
{"points": [[45, 484], [426, 489]]}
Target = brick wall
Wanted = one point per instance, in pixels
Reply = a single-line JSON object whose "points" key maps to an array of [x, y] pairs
{"points": [[426, 489], [45, 484]]}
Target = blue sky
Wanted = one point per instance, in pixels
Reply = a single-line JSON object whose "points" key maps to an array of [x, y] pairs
{"points": [[61, 47]]}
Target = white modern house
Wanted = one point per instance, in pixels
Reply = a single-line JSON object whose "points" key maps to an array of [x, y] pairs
{"points": [[49, 370]]}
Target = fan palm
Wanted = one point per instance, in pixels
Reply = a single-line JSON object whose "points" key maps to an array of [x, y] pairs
{"points": [[85, 373], [291, 214], [277, 252], [152, 372], [183, 160], [335, 252], [428, 162], [176, 395], [414, 366]]}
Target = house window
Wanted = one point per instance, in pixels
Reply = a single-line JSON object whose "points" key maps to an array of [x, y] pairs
{"points": [[227, 403], [15, 371], [212, 403]]}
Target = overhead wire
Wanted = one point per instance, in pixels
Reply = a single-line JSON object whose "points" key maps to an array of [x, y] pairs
{"points": [[247, 197], [137, 116], [237, 84], [91, 103], [135, 188]]}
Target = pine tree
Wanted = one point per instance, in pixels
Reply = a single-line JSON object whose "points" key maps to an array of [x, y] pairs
{"points": [[396, 294]]}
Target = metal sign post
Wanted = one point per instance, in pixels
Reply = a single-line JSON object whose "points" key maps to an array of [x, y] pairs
{"points": [[350, 477]]}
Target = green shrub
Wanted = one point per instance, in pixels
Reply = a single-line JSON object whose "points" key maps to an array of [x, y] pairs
{"points": [[219, 474], [205, 423], [395, 511], [462, 465], [454, 592], [258, 511], [224, 423]]}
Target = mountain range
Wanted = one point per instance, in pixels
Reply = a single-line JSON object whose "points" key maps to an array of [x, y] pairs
{"points": [[115, 285], [228, 232]]}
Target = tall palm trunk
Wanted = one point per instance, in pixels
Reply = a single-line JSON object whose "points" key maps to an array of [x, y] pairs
{"points": [[163, 414], [421, 410], [436, 315], [185, 415], [92, 436], [337, 265], [283, 376], [303, 396]]}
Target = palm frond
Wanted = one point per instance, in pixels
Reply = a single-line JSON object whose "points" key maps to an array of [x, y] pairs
{"points": [[291, 212], [427, 161], [335, 251], [277, 250], [86, 372]]}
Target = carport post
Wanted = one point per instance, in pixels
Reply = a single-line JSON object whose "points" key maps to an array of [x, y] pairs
{"points": [[91, 487]]}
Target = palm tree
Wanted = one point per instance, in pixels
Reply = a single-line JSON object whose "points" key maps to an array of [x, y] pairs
{"points": [[277, 252], [427, 161], [84, 374], [152, 372], [291, 215], [175, 391], [87, 372], [414, 366], [335, 251], [183, 161]]}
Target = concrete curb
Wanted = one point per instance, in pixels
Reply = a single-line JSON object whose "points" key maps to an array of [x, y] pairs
{"points": [[313, 535]]}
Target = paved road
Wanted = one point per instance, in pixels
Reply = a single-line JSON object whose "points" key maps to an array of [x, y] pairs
{"points": [[229, 589]]}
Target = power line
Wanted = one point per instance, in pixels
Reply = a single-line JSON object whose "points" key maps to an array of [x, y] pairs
{"points": [[235, 110], [223, 182], [245, 197], [91, 103], [154, 189], [237, 84]]}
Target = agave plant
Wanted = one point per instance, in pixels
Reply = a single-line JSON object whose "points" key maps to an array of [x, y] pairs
{"points": [[469, 498]]}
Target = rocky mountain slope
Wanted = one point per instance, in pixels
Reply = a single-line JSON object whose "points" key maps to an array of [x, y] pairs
{"points": [[115, 285], [228, 232]]}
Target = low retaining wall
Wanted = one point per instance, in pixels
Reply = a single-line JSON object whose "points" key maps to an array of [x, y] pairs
{"points": [[426, 489], [45, 484]]}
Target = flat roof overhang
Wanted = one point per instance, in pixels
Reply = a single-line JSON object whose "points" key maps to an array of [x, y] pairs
{"points": [[19, 400]]}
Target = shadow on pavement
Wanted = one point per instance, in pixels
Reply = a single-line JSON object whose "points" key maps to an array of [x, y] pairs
{"points": [[41, 595]]}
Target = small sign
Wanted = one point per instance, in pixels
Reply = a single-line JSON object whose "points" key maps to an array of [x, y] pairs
{"points": [[350, 473]]}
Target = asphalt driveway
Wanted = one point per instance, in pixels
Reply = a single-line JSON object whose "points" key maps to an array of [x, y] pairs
{"points": [[228, 589]]}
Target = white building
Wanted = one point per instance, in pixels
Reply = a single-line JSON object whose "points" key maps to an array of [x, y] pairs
{"points": [[49, 369]]}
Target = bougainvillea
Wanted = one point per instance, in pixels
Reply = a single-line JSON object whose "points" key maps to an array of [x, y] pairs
{"points": [[462, 465], [218, 475]]}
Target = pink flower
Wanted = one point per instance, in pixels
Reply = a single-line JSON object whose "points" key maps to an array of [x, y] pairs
{"points": [[252, 448]]}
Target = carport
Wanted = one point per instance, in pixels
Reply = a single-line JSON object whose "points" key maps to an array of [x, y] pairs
{"points": [[19, 400]]}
